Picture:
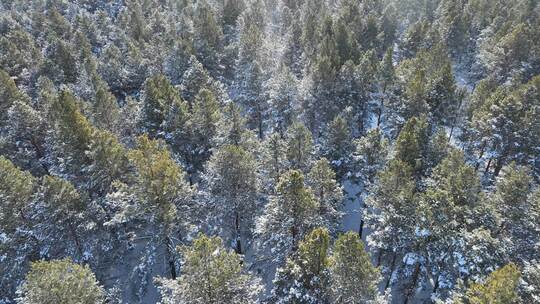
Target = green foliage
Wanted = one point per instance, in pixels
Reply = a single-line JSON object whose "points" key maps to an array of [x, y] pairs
{"points": [[60, 282], [18, 52], [500, 287], [73, 131], [9, 94], [299, 146], [304, 277], [233, 181], [16, 190], [160, 182], [162, 103], [322, 179], [108, 161], [370, 154], [210, 274], [338, 143], [412, 143], [106, 112], [353, 278]]}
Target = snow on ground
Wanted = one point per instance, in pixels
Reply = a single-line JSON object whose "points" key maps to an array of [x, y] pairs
{"points": [[352, 206]]}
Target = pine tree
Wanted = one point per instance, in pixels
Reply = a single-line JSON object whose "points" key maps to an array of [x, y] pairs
{"points": [[353, 279], [322, 179], [25, 138], [19, 53], [106, 112], [231, 10], [210, 274], [233, 129], [530, 283], [288, 215], [17, 190], [72, 134], [386, 78], [161, 190], [203, 125], [162, 106], [514, 202], [208, 36], [9, 94], [453, 216], [304, 277], [393, 196], [284, 95], [498, 288], [233, 182], [338, 145], [62, 214], [274, 159], [108, 162], [370, 155], [299, 146], [412, 144], [60, 281], [194, 79]]}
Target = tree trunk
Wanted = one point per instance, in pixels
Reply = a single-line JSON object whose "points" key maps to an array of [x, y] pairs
{"points": [[392, 266], [361, 228], [75, 238], [170, 258], [498, 167], [379, 257], [237, 230], [259, 117], [436, 285], [480, 156], [487, 166], [410, 292], [379, 115]]}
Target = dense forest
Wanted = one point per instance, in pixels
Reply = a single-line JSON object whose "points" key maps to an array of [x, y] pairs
{"points": [[269, 151]]}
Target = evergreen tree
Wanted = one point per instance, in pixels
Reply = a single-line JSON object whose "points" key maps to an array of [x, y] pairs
{"points": [[393, 196], [60, 281], [16, 192], [284, 95], [208, 36], [412, 145], [9, 94], [203, 125], [62, 214], [160, 189], [288, 215], [515, 204], [304, 277], [232, 180], [274, 159], [210, 274], [338, 145], [72, 134], [322, 179], [370, 155], [386, 78], [25, 138], [19, 54], [353, 279], [299, 146], [162, 105], [498, 288], [108, 162], [106, 112], [194, 79]]}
